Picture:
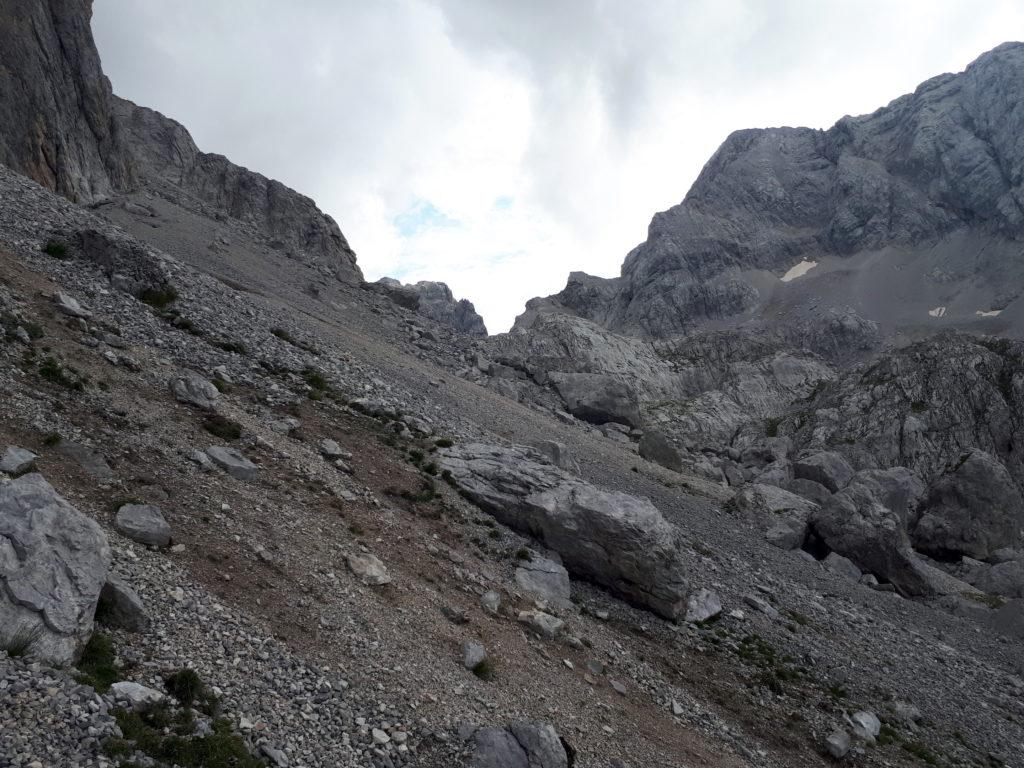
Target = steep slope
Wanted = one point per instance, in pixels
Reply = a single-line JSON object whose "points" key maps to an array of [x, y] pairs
{"points": [[910, 216]]}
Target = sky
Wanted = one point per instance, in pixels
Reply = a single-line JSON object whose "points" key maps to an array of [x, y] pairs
{"points": [[498, 146]]}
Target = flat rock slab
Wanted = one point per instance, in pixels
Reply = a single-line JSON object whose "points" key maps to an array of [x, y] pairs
{"points": [[194, 390], [143, 523], [616, 540], [523, 745], [233, 462], [121, 607], [16, 460], [53, 564], [545, 579], [88, 459]]}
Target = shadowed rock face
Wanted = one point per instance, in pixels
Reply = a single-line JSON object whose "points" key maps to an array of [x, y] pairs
{"points": [[947, 158], [56, 122]]}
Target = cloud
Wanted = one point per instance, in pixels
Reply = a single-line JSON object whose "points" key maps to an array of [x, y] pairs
{"points": [[499, 145]]}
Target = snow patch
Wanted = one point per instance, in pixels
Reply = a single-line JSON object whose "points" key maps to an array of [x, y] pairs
{"points": [[937, 312], [990, 313], [799, 270]]}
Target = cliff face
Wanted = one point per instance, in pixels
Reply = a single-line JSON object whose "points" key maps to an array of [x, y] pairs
{"points": [[436, 301], [944, 161], [61, 126], [56, 124]]}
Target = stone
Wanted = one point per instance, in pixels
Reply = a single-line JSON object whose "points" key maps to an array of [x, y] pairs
{"points": [[784, 515], [138, 696], [490, 601], [68, 305], [435, 301], [379, 736], [143, 523], [16, 460], [654, 446], [369, 569], [866, 725], [194, 390], [119, 606], [522, 745], [842, 566], [473, 655], [233, 462], [558, 454], [598, 398], [702, 605], [544, 579], [616, 540], [974, 509], [544, 624], [827, 468], [332, 450], [88, 459], [53, 565], [838, 744]]}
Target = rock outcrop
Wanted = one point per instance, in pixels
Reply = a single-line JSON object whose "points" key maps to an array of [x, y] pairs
{"points": [[53, 565], [619, 541], [435, 301]]}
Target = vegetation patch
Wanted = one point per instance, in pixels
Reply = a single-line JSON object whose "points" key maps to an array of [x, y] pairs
{"points": [[222, 427], [98, 666], [187, 687], [485, 670], [228, 345], [159, 298], [19, 642], [58, 249], [51, 370]]}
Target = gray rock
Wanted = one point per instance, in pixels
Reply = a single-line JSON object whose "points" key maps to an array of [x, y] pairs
{"points": [[619, 541], [558, 454], [654, 446], [233, 462], [702, 605], [473, 655], [838, 744], [783, 514], [544, 579], [842, 566], [16, 461], [88, 459], [138, 696], [826, 468], [194, 390], [68, 305], [519, 746], [332, 450], [435, 300], [490, 601], [809, 489], [866, 725], [544, 624], [974, 510], [598, 398], [119, 606], [369, 569], [53, 564], [143, 523], [1004, 579]]}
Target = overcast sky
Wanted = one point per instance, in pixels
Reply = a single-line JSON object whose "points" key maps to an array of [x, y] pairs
{"points": [[500, 145]]}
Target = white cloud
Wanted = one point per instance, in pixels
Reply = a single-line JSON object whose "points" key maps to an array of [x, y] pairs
{"points": [[583, 117]]}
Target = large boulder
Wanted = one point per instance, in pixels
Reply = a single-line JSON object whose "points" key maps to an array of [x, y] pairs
{"points": [[525, 745], [598, 398], [194, 390], [828, 468], [654, 446], [973, 509], [53, 564], [544, 579], [866, 522], [784, 515], [619, 541], [143, 523]]}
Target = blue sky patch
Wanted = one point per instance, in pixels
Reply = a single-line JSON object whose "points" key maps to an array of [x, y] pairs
{"points": [[419, 217]]}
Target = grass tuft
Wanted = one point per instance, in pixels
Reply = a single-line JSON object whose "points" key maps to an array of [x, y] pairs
{"points": [[222, 427], [98, 666], [19, 643], [159, 298]]}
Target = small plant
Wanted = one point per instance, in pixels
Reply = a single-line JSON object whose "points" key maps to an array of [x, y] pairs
{"points": [[187, 687], [444, 442], [52, 371], [316, 380], [20, 642], [921, 752], [430, 469], [159, 298], [232, 346], [887, 735], [56, 249], [34, 330], [523, 554], [415, 456], [771, 427], [98, 666], [222, 427], [485, 670], [51, 439]]}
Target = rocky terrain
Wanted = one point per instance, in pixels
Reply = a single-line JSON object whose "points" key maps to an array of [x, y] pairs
{"points": [[256, 513]]}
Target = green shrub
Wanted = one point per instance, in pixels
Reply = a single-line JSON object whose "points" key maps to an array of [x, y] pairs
{"points": [[98, 667], [159, 298], [232, 346], [444, 442], [222, 427], [485, 670], [56, 248], [316, 380], [187, 687], [52, 371]]}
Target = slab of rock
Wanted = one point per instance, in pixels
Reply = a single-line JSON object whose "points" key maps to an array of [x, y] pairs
{"points": [[233, 462], [369, 569], [88, 459], [53, 564], [525, 745], [827, 468], [598, 398], [702, 605], [838, 744], [558, 454], [68, 305], [842, 566], [783, 514], [654, 446], [119, 606], [16, 461], [332, 450], [192, 389], [473, 655], [138, 696], [974, 509], [544, 579], [143, 523], [544, 624], [619, 541]]}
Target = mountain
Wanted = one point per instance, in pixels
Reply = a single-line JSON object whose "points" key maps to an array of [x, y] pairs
{"points": [[911, 217], [255, 512]]}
